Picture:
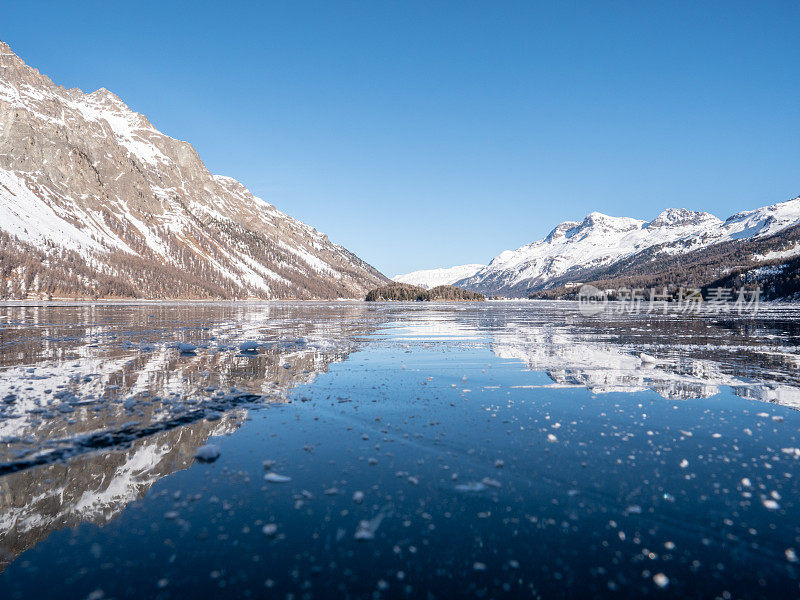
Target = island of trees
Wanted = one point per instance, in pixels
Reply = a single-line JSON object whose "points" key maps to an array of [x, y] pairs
{"points": [[412, 293]]}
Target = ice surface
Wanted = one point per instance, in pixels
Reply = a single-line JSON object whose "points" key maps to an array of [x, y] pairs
{"points": [[649, 484]]}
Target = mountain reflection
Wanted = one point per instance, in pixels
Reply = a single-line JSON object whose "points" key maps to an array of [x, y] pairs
{"points": [[83, 379], [93, 488], [695, 355], [684, 358]]}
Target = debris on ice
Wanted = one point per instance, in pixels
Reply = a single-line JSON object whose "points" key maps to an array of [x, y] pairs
{"points": [[207, 454]]}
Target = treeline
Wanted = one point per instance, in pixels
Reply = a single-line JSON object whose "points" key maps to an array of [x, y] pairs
{"points": [[405, 292], [54, 272]]}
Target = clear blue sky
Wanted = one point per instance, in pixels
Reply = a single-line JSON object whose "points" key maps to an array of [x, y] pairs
{"points": [[424, 134]]}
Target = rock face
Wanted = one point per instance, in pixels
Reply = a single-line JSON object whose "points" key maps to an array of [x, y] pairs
{"points": [[94, 201], [606, 247]]}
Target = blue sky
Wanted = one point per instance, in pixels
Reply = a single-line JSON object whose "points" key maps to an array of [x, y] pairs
{"points": [[425, 134]]}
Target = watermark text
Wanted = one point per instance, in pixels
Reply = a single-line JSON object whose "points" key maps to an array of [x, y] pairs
{"points": [[688, 300]]}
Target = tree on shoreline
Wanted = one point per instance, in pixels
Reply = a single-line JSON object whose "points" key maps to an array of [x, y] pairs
{"points": [[404, 292]]}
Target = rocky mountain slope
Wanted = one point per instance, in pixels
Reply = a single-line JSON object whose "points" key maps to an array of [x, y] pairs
{"points": [[608, 249], [95, 201]]}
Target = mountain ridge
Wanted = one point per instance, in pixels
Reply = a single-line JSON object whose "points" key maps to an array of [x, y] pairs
{"points": [[580, 251], [109, 206], [430, 278]]}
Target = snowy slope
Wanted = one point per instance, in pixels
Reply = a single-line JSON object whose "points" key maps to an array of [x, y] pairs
{"points": [[432, 277], [762, 221], [85, 179], [601, 240], [597, 240], [24, 215]]}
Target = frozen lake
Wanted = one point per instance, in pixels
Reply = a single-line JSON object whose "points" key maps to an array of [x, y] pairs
{"points": [[332, 450]]}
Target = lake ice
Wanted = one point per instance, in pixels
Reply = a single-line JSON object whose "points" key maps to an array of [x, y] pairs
{"points": [[498, 449]]}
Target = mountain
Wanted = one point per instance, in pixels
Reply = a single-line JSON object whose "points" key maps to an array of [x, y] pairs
{"points": [[95, 201], [601, 248], [435, 277]]}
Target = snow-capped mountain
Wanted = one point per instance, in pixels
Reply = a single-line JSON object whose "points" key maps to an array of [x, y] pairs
{"points": [[577, 251], [94, 200], [762, 222], [430, 278]]}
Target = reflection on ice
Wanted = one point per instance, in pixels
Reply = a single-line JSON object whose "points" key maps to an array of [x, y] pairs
{"points": [[133, 390], [92, 488], [609, 360], [679, 356], [606, 367], [110, 380]]}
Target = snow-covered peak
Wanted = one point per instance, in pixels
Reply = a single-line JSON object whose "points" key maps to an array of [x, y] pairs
{"points": [[432, 277], [562, 230], [763, 221], [503, 257], [592, 223], [105, 96], [598, 220], [108, 104], [679, 217]]}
